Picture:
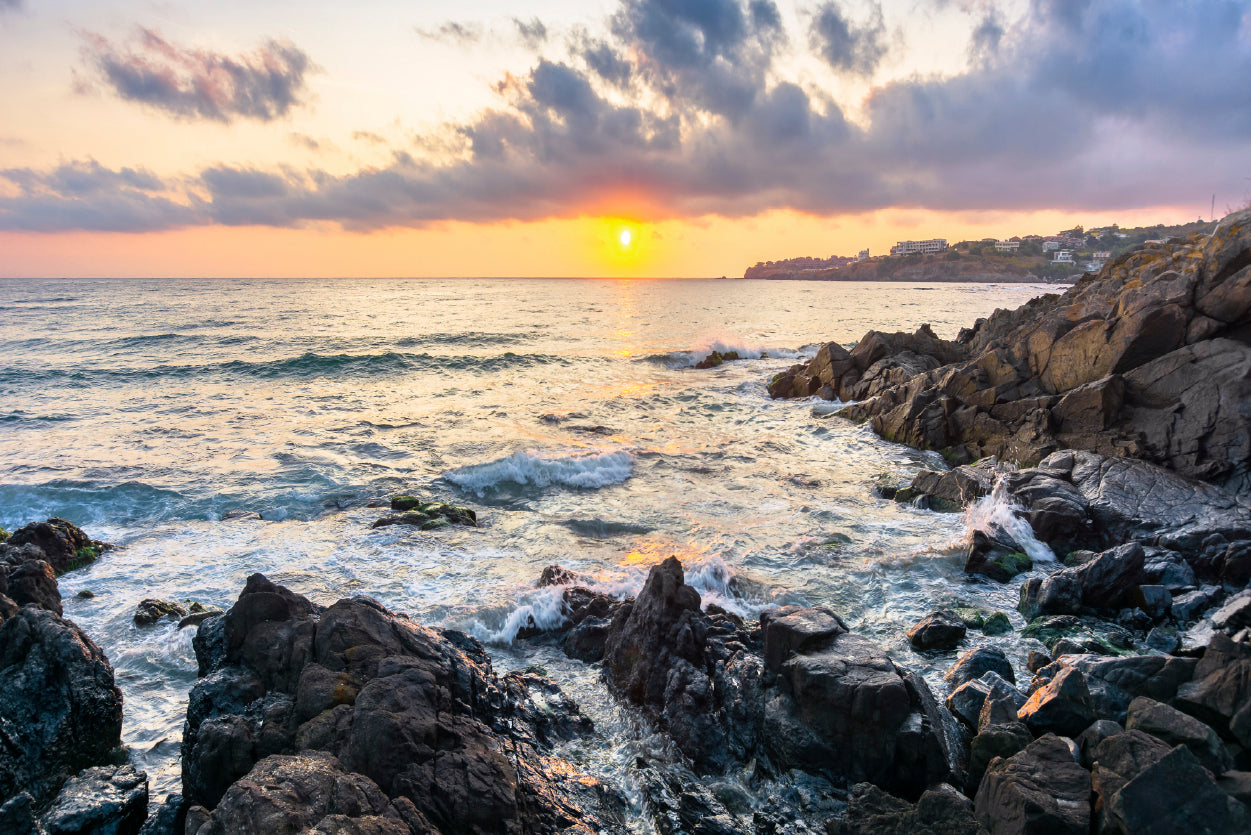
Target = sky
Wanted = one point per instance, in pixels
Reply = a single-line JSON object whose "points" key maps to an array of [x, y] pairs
{"points": [[491, 138]]}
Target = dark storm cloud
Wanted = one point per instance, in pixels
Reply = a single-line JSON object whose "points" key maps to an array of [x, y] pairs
{"points": [[709, 54], [848, 48], [1109, 105], [198, 84]]}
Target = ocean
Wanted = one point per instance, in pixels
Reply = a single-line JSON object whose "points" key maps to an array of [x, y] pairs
{"points": [[563, 411]]}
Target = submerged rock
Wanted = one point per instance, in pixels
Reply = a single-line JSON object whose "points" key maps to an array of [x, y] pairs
{"points": [[150, 610], [428, 516]]}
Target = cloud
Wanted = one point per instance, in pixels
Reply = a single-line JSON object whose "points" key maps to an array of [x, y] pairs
{"points": [[88, 196], [303, 140], [369, 136], [532, 33], [453, 32], [683, 109], [197, 84], [855, 50], [10, 5]]}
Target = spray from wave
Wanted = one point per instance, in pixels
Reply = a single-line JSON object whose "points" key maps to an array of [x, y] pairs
{"points": [[998, 515], [583, 470]]}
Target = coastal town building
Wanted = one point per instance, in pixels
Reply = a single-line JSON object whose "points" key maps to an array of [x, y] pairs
{"points": [[863, 255], [919, 247], [1064, 256], [1008, 246]]}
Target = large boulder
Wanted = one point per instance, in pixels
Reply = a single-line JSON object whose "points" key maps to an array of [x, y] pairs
{"points": [[60, 710], [871, 811], [1220, 693], [417, 714], [1175, 794], [813, 697], [1061, 706], [1039, 790], [104, 799], [1176, 728], [941, 630], [310, 791]]}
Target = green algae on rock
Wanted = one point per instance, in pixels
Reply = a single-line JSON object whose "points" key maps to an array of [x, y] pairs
{"points": [[428, 516]]}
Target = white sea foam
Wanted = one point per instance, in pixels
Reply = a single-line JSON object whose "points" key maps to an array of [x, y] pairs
{"points": [[538, 608], [585, 470], [998, 511]]}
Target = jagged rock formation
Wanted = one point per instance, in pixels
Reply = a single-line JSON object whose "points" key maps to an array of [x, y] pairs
{"points": [[1150, 358], [373, 723]]}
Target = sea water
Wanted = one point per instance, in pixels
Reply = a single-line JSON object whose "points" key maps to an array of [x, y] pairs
{"points": [[563, 411]]}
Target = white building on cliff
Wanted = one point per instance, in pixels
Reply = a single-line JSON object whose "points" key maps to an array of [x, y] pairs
{"points": [[919, 247]]}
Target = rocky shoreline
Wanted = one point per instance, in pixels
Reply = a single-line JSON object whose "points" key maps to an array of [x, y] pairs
{"points": [[1109, 426]]}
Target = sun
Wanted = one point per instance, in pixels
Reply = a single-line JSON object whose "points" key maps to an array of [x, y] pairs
{"points": [[625, 237]]}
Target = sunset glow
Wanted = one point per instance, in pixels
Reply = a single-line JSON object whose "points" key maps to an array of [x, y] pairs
{"points": [[250, 141]]}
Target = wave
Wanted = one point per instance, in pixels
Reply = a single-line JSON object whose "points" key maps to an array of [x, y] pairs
{"points": [[998, 512], [723, 344], [543, 609], [87, 503], [308, 365], [465, 338], [583, 470]]}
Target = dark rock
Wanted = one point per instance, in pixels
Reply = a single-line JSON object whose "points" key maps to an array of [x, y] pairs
{"points": [[1117, 759], [1067, 646], [1164, 639], [1095, 635], [1001, 705], [34, 582], [85, 594], [1189, 606], [977, 662], [427, 516], [1176, 728], [558, 575], [108, 799], [1061, 706], [1220, 693], [1114, 682], [17, 816], [1234, 614], [586, 641], [1039, 790], [416, 714], [997, 624], [996, 556], [1236, 564], [240, 514], [1037, 660], [1108, 578], [62, 544], [169, 818], [937, 631], [60, 709], [150, 610], [1057, 594], [1175, 794], [953, 490], [1236, 784], [1169, 570], [789, 631], [1089, 739], [1003, 739], [967, 700], [871, 811]]}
